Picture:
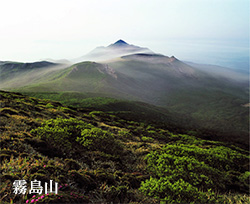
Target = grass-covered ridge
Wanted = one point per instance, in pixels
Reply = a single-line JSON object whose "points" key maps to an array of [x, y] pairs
{"points": [[99, 157]]}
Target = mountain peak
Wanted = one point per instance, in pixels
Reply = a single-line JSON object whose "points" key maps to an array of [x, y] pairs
{"points": [[118, 49], [120, 42]]}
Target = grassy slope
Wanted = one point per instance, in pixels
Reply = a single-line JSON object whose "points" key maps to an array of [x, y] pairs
{"points": [[222, 118], [82, 77], [89, 174], [217, 111], [213, 104]]}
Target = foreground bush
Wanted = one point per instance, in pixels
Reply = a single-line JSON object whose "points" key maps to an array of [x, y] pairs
{"points": [[97, 139], [189, 173], [61, 132]]}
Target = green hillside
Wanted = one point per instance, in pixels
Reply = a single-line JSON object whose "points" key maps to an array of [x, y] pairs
{"points": [[187, 98], [16, 75], [98, 157], [222, 117], [82, 77]]}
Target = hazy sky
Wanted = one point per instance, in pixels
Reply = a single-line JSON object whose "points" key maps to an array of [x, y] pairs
{"points": [[31, 30]]}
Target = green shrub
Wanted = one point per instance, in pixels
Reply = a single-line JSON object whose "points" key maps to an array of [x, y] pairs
{"points": [[147, 139], [124, 134], [172, 191], [61, 132], [49, 105], [180, 171], [97, 139]]}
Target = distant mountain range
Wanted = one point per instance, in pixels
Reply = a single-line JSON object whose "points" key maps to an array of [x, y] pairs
{"points": [[120, 70], [124, 71]]}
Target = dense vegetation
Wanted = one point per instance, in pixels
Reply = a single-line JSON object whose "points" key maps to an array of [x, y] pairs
{"points": [[187, 172], [99, 157], [223, 118]]}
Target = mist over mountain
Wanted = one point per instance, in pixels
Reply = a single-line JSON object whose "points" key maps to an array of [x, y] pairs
{"points": [[228, 53], [215, 70], [122, 67], [17, 74], [212, 97], [117, 49]]}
